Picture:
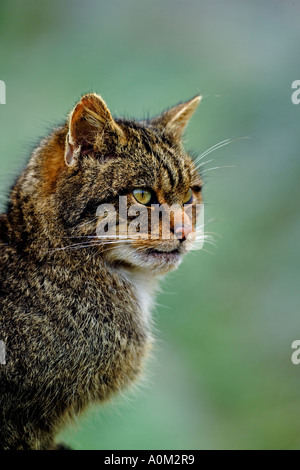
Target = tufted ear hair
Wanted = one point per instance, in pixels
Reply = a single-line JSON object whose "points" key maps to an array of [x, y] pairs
{"points": [[175, 120], [89, 122]]}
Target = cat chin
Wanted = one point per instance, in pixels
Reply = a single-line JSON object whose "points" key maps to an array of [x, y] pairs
{"points": [[147, 260], [160, 262]]}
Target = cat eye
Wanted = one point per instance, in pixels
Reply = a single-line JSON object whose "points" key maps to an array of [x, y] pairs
{"points": [[143, 196], [188, 198]]}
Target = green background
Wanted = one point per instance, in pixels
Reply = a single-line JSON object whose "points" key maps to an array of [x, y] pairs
{"points": [[221, 376]]}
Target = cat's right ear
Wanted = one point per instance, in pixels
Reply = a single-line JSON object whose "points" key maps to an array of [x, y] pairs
{"points": [[89, 123]]}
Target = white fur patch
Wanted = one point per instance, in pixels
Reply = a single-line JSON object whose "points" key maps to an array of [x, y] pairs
{"points": [[144, 289]]}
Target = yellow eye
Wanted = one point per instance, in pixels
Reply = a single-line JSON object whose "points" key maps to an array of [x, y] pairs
{"points": [[142, 196], [188, 198]]}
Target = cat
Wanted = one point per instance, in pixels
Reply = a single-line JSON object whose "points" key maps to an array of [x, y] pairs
{"points": [[75, 314]]}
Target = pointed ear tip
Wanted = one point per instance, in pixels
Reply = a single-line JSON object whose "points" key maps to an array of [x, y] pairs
{"points": [[84, 99], [196, 99], [89, 101], [91, 97]]}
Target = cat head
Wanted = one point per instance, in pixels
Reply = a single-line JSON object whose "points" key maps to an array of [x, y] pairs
{"points": [[127, 188]]}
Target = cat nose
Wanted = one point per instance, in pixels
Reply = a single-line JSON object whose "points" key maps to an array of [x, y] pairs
{"points": [[183, 231]]}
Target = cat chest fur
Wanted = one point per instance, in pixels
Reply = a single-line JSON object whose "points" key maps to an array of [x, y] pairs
{"points": [[114, 333]]}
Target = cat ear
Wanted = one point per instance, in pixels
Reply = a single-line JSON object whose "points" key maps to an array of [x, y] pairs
{"points": [[174, 120], [89, 121]]}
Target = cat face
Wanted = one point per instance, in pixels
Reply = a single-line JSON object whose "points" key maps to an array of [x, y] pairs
{"points": [[134, 192]]}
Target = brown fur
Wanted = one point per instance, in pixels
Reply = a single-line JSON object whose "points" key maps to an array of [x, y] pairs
{"points": [[72, 318]]}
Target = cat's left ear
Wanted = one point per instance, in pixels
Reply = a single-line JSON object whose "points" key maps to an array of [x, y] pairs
{"points": [[90, 123], [174, 120]]}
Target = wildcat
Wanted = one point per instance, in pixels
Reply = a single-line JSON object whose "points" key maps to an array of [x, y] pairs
{"points": [[75, 305]]}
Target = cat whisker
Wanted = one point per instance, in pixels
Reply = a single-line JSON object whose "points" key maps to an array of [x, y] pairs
{"points": [[205, 250], [88, 222], [114, 242], [218, 168], [83, 245], [212, 149], [204, 163], [204, 242], [76, 246], [204, 236], [216, 147], [98, 237]]}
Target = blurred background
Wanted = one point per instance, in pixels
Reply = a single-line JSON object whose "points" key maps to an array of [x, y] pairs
{"points": [[221, 376]]}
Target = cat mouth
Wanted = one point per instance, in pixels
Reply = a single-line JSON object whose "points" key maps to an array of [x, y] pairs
{"points": [[172, 255], [160, 260]]}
